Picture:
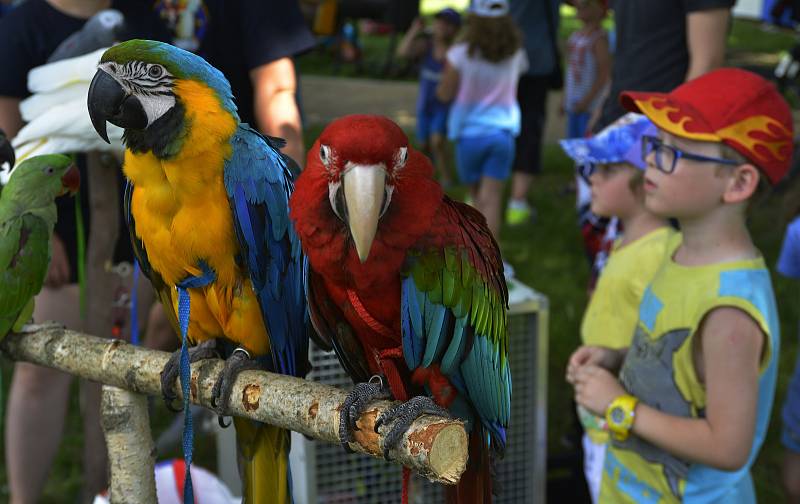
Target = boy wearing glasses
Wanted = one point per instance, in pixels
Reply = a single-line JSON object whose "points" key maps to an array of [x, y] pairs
{"points": [[616, 176], [691, 407]]}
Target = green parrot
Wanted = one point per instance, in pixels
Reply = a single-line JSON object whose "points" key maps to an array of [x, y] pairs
{"points": [[27, 217]]}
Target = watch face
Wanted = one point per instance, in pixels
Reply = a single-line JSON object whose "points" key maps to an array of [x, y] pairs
{"points": [[617, 415]]}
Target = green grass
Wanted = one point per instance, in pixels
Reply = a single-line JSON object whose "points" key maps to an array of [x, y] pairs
{"points": [[749, 36]]}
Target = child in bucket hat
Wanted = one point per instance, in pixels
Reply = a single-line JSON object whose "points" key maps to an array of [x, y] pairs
{"points": [[616, 175], [692, 404]]}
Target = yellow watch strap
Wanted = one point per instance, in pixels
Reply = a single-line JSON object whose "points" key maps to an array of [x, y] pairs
{"points": [[620, 425]]}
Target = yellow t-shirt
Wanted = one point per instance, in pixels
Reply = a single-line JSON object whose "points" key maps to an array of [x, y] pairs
{"points": [[610, 319], [659, 370]]}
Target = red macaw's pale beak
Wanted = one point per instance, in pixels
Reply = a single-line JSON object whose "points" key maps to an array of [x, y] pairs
{"points": [[364, 191]]}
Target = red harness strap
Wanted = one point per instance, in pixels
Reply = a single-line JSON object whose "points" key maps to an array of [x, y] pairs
{"points": [[387, 357]]}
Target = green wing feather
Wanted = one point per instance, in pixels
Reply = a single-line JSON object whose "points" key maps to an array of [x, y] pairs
{"points": [[24, 257]]}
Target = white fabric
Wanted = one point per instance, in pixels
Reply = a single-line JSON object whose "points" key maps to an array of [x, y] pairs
{"points": [[208, 489], [593, 457], [489, 8], [56, 113], [486, 101]]}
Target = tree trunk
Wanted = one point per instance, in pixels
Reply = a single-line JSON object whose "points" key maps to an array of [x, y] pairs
{"points": [[131, 452]]}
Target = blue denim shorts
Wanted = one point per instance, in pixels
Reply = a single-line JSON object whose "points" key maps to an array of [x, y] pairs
{"points": [[430, 121], [488, 155]]}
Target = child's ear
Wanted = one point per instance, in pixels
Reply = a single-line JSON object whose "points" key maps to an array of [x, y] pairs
{"points": [[742, 184]]}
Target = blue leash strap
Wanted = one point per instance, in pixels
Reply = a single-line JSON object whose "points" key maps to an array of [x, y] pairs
{"points": [[184, 310], [186, 375], [135, 304]]}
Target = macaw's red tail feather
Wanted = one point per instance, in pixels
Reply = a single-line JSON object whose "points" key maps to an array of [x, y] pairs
{"points": [[475, 485]]}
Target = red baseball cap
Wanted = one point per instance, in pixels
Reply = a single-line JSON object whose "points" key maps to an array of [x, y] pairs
{"points": [[728, 105]]}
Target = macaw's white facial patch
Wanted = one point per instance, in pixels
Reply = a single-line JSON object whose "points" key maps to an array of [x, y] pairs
{"points": [[156, 106], [150, 83]]}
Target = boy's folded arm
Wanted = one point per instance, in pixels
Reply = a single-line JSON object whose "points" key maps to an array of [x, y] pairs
{"points": [[731, 350]]}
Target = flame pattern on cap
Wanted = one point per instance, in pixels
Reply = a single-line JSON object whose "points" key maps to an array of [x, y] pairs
{"points": [[757, 136]]}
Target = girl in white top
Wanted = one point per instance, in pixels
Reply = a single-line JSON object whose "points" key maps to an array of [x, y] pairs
{"points": [[480, 77]]}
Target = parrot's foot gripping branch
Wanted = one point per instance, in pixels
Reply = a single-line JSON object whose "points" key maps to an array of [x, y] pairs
{"points": [[403, 415], [240, 360], [355, 404], [205, 350]]}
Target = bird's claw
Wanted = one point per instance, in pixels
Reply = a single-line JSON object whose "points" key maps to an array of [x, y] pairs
{"points": [[403, 415], [355, 403], [205, 350], [240, 360]]}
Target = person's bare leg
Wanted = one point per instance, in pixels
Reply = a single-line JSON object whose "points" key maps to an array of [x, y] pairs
{"points": [[791, 476], [490, 202], [520, 186], [37, 405], [440, 161]]}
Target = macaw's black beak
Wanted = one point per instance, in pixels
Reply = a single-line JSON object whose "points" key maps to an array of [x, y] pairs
{"points": [[6, 151], [108, 101]]}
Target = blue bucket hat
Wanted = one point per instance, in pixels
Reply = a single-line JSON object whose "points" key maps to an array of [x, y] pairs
{"points": [[619, 142]]}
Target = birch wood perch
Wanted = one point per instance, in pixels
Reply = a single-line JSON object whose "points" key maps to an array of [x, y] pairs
{"points": [[131, 452], [434, 447]]}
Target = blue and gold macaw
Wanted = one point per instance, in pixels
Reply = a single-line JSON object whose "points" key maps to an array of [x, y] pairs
{"points": [[207, 203]]}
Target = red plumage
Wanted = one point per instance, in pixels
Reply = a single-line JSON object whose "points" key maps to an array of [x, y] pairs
{"points": [[416, 203], [355, 304]]}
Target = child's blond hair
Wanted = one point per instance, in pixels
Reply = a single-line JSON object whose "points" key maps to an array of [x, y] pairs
{"points": [[491, 38]]}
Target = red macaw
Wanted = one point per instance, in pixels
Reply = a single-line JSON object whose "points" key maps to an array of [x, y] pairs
{"points": [[406, 284]]}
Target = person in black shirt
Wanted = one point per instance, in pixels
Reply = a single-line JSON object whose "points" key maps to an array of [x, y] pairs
{"points": [[252, 42], [660, 44], [39, 396]]}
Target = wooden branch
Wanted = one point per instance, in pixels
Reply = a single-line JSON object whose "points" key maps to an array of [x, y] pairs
{"points": [[434, 447], [131, 451]]}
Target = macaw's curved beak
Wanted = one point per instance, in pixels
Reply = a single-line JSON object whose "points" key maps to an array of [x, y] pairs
{"points": [[71, 180], [108, 101], [6, 151], [364, 190]]}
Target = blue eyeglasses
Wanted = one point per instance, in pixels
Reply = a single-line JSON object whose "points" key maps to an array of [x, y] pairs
{"points": [[667, 156]]}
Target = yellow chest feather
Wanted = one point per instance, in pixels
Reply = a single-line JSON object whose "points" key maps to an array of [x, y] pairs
{"points": [[182, 215], [180, 205]]}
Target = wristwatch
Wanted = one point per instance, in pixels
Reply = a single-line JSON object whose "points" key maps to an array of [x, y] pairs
{"points": [[619, 416]]}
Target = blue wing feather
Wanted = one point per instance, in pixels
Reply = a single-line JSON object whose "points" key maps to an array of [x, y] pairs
{"points": [[411, 323], [433, 334], [259, 183]]}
